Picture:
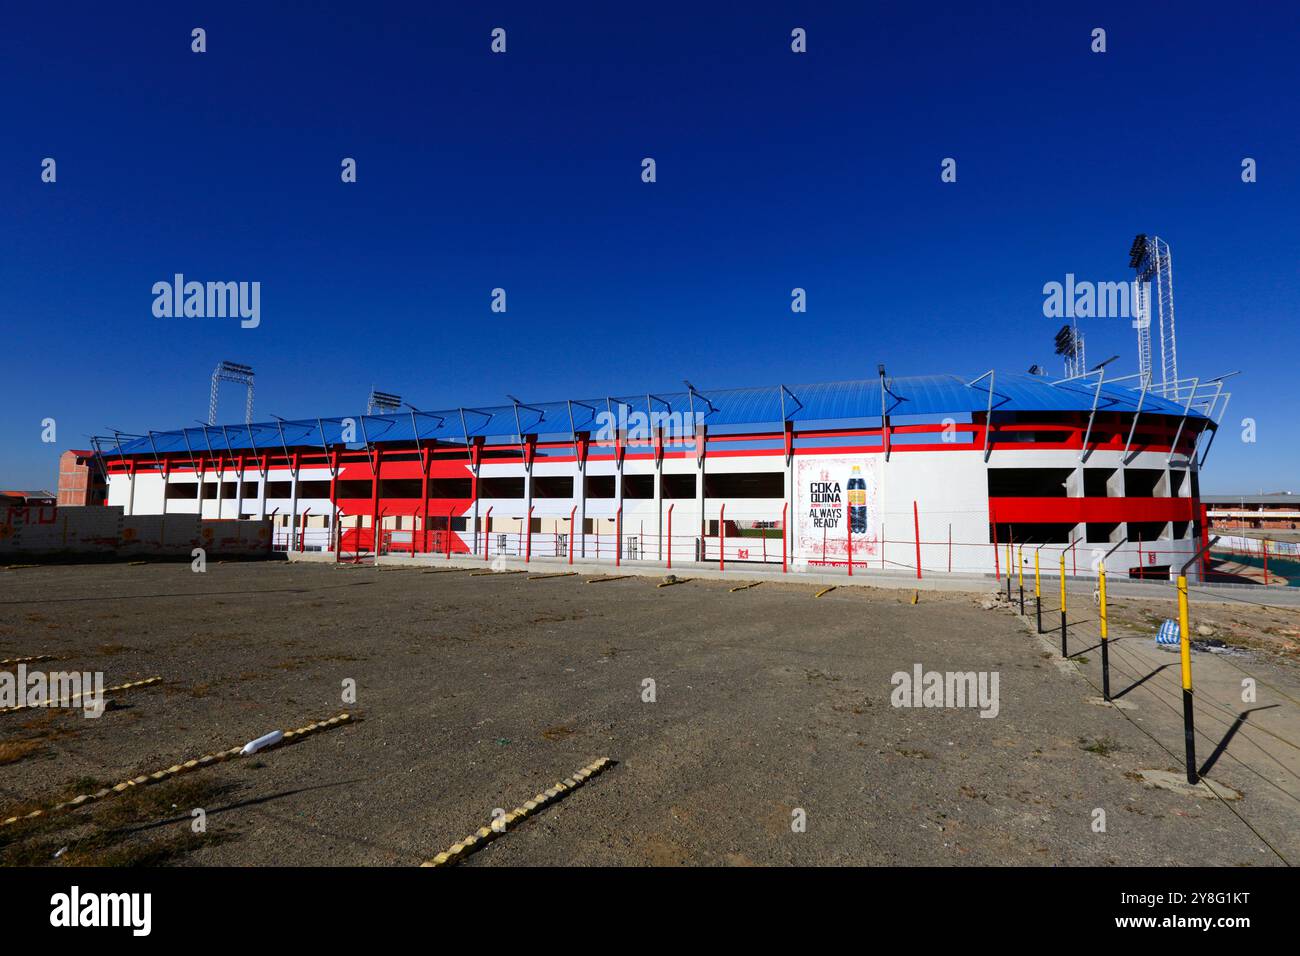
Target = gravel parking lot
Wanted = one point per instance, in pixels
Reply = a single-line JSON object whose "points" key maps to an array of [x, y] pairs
{"points": [[474, 691]]}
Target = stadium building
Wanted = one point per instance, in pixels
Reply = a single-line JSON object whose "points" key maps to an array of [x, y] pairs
{"points": [[883, 473]]}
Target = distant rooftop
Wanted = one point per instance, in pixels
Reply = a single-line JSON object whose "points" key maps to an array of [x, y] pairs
{"points": [[1272, 498]]}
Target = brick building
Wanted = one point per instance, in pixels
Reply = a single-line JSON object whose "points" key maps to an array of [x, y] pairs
{"points": [[81, 479]]}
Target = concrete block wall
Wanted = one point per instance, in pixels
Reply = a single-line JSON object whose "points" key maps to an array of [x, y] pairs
{"points": [[106, 530]]}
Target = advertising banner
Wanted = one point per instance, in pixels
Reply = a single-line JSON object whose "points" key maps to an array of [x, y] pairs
{"points": [[832, 495]]}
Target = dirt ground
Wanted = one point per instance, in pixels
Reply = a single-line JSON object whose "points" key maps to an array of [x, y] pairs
{"points": [[474, 692]]}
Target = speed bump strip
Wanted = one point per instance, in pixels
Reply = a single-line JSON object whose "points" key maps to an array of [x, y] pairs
{"points": [[557, 574], [14, 661], [68, 701], [502, 824], [174, 770], [745, 587], [825, 591], [612, 577]]}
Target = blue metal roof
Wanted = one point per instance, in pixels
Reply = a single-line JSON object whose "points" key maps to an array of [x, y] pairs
{"points": [[823, 404]]}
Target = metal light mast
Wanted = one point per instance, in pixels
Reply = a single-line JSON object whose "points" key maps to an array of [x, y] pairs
{"points": [[1150, 256], [240, 375], [1069, 345], [385, 403]]}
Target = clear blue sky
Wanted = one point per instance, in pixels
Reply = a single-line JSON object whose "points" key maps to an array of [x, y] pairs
{"points": [[522, 171]]}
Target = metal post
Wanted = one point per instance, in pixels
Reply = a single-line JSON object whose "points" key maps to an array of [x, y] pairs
{"points": [[1185, 650], [997, 568], [450, 512], [722, 539], [1020, 571], [916, 528], [572, 512], [670, 536], [784, 509], [618, 537], [1105, 633], [487, 531]]}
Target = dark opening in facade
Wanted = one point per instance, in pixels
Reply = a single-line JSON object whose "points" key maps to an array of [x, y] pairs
{"points": [[400, 488], [1096, 482], [501, 487], [553, 486], [638, 486], [763, 484], [451, 488], [354, 489], [1143, 483], [1029, 482], [678, 486]]}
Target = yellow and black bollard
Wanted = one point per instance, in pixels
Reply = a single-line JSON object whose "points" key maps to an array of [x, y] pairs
{"points": [[1008, 572], [1038, 593], [1020, 571], [1105, 634], [1185, 650], [1063, 653]]}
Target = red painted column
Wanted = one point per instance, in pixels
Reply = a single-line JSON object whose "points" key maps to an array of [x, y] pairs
{"points": [[1205, 544], [374, 498], [572, 512], [334, 501], [302, 532], [487, 529], [670, 536], [450, 513], [916, 527], [424, 503]]}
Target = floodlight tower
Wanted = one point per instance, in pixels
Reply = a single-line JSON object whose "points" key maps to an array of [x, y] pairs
{"points": [[240, 375], [1150, 257], [1069, 345], [384, 402]]}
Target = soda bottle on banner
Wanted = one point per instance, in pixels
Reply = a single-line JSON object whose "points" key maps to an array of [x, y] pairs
{"points": [[857, 502]]}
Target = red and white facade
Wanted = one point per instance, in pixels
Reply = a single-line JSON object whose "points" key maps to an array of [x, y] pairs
{"points": [[953, 495]]}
